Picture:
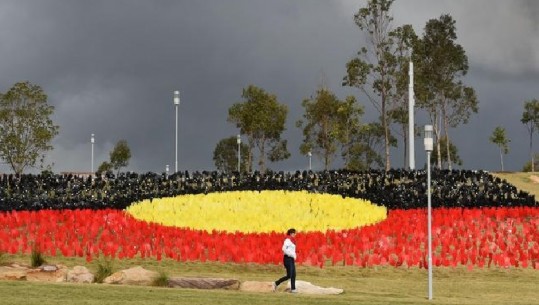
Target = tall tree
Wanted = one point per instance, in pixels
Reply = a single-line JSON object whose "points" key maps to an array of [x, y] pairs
{"points": [[26, 127], [225, 155], [530, 118], [375, 68], [367, 147], [349, 115], [441, 63], [321, 123], [499, 138], [453, 154], [120, 155], [262, 119]]}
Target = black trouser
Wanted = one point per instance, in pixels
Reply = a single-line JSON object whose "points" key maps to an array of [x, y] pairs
{"points": [[290, 272]]}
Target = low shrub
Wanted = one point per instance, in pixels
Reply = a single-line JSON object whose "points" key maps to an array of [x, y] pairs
{"points": [[161, 280], [104, 270]]}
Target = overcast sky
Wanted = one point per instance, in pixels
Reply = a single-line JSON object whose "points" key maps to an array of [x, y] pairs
{"points": [[110, 68]]}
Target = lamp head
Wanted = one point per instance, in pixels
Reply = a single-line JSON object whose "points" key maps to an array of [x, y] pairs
{"points": [[309, 153], [92, 139], [428, 138], [176, 97], [238, 139]]}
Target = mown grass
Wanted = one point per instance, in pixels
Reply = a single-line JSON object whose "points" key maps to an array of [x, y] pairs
{"points": [[522, 181], [361, 285]]}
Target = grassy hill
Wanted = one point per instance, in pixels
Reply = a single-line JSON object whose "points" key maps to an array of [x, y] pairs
{"points": [[528, 182]]}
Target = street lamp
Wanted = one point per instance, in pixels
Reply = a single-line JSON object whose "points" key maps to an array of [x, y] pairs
{"points": [[428, 148], [310, 154], [238, 140], [176, 104], [166, 170], [92, 140]]}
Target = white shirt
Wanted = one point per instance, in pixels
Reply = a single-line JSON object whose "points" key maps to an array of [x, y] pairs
{"points": [[289, 248]]}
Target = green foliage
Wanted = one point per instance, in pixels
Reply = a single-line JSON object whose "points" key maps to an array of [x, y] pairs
{"points": [[379, 71], [36, 258], [104, 167], [161, 280], [530, 118], [120, 155], [440, 65], [453, 151], [528, 165], [499, 138], [225, 155], [261, 118], [105, 269], [26, 128], [327, 123], [367, 147]]}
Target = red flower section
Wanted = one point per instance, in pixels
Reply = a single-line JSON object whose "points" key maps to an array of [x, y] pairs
{"points": [[484, 237]]}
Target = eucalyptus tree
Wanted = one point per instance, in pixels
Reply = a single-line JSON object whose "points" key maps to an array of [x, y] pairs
{"points": [[261, 118], [26, 126], [441, 63], [499, 138], [327, 123], [530, 118], [376, 68]]}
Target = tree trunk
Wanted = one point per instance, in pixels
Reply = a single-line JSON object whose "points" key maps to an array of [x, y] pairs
{"points": [[436, 129], [386, 132], [501, 157], [261, 161], [447, 142], [531, 150], [250, 155]]}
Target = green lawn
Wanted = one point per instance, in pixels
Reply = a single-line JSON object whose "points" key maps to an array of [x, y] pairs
{"points": [[522, 181], [362, 286]]}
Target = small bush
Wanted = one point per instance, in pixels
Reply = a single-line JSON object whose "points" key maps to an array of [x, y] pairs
{"points": [[161, 280], [104, 269], [36, 259]]}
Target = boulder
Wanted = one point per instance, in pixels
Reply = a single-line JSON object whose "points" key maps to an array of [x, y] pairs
{"points": [[204, 283], [254, 286], [80, 274], [132, 276], [13, 272], [47, 273], [308, 288]]}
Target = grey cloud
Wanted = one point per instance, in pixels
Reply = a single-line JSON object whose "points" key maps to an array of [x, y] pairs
{"points": [[110, 68]]}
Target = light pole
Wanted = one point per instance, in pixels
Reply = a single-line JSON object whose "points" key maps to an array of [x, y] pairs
{"points": [[310, 154], [92, 140], [166, 170], [176, 104], [428, 148], [238, 140]]}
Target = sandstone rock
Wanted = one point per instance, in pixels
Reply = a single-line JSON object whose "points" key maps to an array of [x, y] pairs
{"points": [[80, 274], [13, 272], [204, 283], [308, 288], [47, 273], [132, 276], [254, 286]]}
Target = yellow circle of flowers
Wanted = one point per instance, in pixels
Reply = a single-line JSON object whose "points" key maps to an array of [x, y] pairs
{"points": [[253, 211]]}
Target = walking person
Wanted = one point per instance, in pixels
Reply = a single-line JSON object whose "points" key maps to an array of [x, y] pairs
{"points": [[289, 258]]}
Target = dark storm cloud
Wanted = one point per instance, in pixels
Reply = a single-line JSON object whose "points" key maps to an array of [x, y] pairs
{"points": [[110, 68]]}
